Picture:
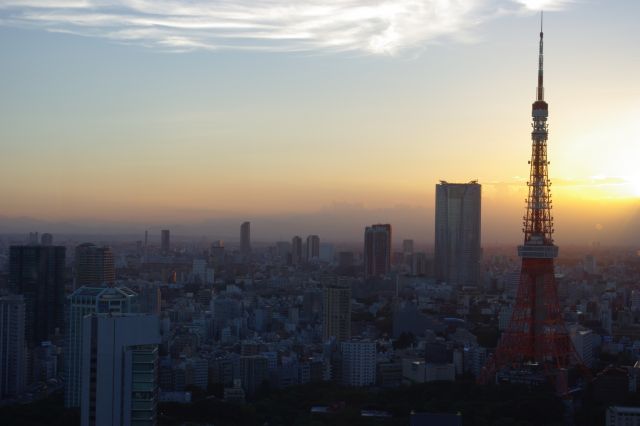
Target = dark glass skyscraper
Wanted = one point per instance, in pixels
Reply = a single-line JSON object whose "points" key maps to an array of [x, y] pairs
{"points": [[457, 250], [245, 238], [296, 250], [165, 241], [94, 266], [37, 273], [377, 250]]}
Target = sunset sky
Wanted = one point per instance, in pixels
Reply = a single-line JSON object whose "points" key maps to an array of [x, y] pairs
{"points": [[328, 115]]}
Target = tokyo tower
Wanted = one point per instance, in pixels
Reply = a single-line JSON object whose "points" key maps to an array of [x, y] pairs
{"points": [[536, 334]]}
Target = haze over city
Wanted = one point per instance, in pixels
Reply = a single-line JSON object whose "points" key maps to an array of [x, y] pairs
{"points": [[319, 212], [312, 118]]}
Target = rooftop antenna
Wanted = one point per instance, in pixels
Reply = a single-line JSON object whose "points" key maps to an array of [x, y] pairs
{"points": [[540, 91]]}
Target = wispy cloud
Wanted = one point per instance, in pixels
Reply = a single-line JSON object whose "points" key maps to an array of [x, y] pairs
{"points": [[370, 26]]}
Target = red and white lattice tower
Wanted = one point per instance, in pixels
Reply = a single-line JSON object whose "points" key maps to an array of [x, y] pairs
{"points": [[536, 334]]}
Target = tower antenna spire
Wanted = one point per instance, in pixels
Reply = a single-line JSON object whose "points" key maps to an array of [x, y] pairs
{"points": [[540, 89]]}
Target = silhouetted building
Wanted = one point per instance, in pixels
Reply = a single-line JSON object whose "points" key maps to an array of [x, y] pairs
{"points": [[165, 241], [245, 238], [377, 250], [313, 248], [337, 312], [119, 370], [12, 346], [296, 250], [94, 266], [37, 273], [457, 245]]}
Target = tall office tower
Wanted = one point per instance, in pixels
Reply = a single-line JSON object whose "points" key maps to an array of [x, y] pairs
{"points": [[536, 334], [119, 370], [82, 302], [46, 239], [296, 250], [337, 312], [245, 238], [37, 273], [94, 266], [165, 241], [377, 250], [457, 251], [312, 252], [358, 363], [12, 346]]}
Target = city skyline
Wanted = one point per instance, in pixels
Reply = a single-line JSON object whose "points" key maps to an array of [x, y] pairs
{"points": [[218, 213], [169, 135]]}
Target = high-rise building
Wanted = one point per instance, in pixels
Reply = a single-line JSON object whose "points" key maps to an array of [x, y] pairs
{"points": [[94, 266], [165, 241], [457, 249], [245, 238], [37, 273], [377, 250], [85, 301], [12, 346], [337, 312], [312, 252], [358, 363], [296, 250], [119, 370]]}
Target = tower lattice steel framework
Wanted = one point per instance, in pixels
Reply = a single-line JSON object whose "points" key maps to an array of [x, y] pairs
{"points": [[536, 334]]}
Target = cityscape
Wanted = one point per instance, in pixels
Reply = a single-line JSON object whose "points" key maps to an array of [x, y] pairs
{"points": [[242, 288]]}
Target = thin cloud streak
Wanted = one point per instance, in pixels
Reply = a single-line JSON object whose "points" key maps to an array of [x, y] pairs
{"points": [[371, 27]]}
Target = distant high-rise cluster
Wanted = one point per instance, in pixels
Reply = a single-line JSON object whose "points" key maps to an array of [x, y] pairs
{"points": [[457, 250], [377, 250]]}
